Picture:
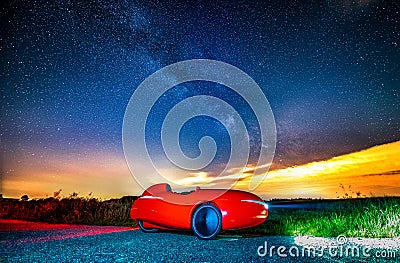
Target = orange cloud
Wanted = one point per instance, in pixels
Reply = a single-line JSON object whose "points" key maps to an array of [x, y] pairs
{"points": [[374, 171]]}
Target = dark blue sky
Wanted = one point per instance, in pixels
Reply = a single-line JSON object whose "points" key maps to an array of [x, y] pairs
{"points": [[330, 70]]}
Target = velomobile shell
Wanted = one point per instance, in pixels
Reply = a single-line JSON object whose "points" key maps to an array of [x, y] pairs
{"points": [[161, 208]]}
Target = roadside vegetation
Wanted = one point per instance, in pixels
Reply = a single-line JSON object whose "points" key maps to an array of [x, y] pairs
{"points": [[376, 217], [353, 217], [71, 210]]}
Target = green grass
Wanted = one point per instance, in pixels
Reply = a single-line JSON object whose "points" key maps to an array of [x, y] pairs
{"points": [[364, 217]]}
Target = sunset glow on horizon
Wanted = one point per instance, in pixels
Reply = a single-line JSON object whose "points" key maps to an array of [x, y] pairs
{"points": [[371, 172]]}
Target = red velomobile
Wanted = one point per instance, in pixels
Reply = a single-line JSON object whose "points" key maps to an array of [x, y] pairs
{"points": [[205, 211]]}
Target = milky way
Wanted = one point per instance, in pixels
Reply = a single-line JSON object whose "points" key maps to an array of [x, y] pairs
{"points": [[330, 70]]}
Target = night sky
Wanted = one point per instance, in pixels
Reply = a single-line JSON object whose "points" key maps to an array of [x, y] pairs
{"points": [[329, 69]]}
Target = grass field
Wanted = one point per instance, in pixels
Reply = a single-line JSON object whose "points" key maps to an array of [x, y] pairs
{"points": [[353, 217], [362, 217]]}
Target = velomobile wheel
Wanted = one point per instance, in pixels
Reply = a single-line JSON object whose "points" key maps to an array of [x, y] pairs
{"points": [[146, 230], [206, 221]]}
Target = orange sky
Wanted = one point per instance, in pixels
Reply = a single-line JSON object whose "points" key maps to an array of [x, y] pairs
{"points": [[374, 171]]}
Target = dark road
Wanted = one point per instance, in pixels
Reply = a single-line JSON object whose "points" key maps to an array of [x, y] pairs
{"points": [[36, 242]]}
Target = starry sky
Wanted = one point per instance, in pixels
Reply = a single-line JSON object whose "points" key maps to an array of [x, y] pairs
{"points": [[329, 69]]}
